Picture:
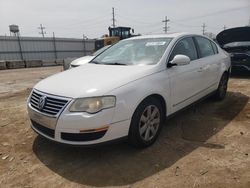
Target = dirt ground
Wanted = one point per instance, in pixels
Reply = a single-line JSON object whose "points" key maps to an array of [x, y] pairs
{"points": [[207, 145]]}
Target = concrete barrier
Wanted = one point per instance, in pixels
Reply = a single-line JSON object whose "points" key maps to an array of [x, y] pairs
{"points": [[48, 63], [15, 64], [2, 65], [33, 63]]}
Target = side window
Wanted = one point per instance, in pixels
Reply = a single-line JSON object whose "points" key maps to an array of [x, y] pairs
{"points": [[205, 46], [214, 47], [185, 47]]}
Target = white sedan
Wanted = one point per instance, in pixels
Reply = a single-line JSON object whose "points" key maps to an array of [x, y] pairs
{"points": [[128, 90]]}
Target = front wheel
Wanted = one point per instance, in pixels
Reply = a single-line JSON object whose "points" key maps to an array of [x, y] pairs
{"points": [[146, 123], [221, 92]]}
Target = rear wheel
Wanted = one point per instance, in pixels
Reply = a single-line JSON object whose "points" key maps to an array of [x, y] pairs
{"points": [[146, 123], [221, 92]]}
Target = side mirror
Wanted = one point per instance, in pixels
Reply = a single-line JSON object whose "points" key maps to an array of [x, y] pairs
{"points": [[180, 60]]}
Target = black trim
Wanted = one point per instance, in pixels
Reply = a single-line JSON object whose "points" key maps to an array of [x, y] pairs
{"points": [[194, 95], [190, 105], [46, 131], [80, 137], [197, 47], [101, 144]]}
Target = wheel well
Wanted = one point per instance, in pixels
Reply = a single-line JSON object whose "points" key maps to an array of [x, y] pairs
{"points": [[227, 73], [161, 99]]}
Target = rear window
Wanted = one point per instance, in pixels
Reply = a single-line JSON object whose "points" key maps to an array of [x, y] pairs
{"points": [[214, 47], [205, 46]]}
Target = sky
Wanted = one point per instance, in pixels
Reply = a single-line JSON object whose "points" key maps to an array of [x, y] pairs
{"points": [[75, 18]]}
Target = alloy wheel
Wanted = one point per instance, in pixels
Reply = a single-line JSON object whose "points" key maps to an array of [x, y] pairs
{"points": [[149, 122]]}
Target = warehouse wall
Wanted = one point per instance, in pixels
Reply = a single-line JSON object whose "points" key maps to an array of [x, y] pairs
{"points": [[37, 48]]}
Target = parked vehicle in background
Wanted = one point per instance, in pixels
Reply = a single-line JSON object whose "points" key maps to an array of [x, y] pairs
{"points": [[236, 41], [115, 34], [86, 59], [129, 89]]}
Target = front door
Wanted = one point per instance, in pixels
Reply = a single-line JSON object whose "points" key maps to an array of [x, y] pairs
{"points": [[185, 81]]}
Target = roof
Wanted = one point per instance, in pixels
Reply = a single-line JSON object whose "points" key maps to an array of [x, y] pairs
{"points": [[168, 35]]}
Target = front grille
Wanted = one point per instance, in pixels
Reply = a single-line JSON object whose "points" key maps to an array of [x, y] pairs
{"points": [[83, 136], [47, 131], [52, 106]]}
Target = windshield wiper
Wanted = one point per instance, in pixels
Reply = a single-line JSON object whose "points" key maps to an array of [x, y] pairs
{"points": [[115, 63]]}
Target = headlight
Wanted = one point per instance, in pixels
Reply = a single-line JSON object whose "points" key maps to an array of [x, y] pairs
{"points": [[93, 104]]}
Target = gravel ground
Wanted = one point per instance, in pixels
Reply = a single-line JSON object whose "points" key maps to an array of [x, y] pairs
{"points": [[207, 145]]}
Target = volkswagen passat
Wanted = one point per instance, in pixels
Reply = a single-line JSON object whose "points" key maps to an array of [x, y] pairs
{"points": [[128, 90]]}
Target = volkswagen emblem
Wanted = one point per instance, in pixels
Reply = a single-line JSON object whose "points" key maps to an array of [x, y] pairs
{"points": [[42, 102]]}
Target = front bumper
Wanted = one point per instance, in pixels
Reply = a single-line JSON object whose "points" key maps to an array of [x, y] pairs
{"points": [[79, 128]]}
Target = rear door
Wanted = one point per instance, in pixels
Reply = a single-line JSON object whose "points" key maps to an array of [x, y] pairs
{"points": [[210, 60]]}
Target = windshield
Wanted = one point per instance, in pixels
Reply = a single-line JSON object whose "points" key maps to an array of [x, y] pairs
{"points": [[134, 52], [100, 50]]}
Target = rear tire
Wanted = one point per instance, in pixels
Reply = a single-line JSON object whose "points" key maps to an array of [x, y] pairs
{"points": [[146, 123], [221, 92]]}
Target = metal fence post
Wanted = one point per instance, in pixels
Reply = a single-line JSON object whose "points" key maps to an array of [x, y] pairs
{"points": [[20, 47], [84, 45], [54, 43]]}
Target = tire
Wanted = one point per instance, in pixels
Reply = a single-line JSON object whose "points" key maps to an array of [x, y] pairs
{"points": [[146, 123], [221, 92]]}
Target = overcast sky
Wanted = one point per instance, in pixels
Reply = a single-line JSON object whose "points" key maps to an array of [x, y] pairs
{"points": [[73, 18]]}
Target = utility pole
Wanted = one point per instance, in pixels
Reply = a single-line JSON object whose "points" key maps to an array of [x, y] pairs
{"points": [[113, 17], [165, 29], [42, 30], [224, 27], [203, 28]]}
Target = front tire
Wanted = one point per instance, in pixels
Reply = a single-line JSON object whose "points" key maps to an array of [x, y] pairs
{"points": [[146, 123], [221, 92]]}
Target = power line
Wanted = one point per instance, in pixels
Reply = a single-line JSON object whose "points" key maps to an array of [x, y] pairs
{"points": [[129, 20], [113, 17], [165, 29], [203, 28], [42, 30], [184, 25], [214, 13]]}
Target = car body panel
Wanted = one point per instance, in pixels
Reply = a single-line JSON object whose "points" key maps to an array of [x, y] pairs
{"points": [[236, 41], [92, 80], [82, 60], [178, 86], [237, 34], [86, 59]]}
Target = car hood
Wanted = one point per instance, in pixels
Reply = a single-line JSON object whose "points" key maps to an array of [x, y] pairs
{"points": [[238, 34], [92, 79], [82, 60]]}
